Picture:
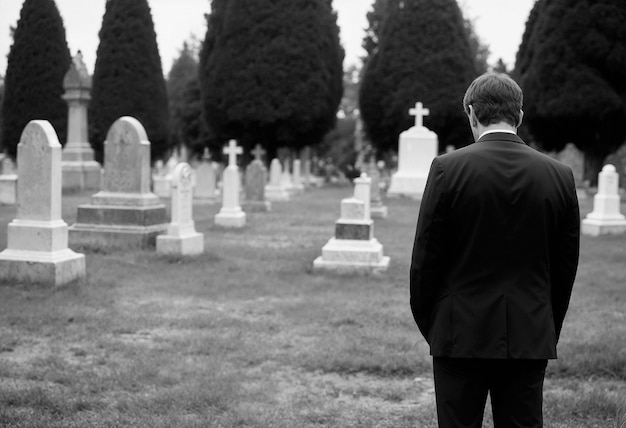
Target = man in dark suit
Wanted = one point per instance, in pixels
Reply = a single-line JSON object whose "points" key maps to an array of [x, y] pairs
{"points": [[493, 266]]}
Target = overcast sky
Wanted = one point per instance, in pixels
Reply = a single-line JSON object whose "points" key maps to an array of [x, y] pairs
{"points": [[499, 23]]}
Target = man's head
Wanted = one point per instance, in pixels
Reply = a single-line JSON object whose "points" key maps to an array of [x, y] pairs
{"points": [[493, 98]]}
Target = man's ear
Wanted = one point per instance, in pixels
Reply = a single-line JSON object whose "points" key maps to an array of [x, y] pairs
{"points": [[521, 116], [472, 116]]}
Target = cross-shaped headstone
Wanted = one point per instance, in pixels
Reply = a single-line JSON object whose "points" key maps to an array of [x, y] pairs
{"points": [[232, 151], [419, 112], [258, 152]]}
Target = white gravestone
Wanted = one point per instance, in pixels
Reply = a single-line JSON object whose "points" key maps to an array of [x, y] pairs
{"points": [[181, 236], [8, 181], [80, 170], [204, 191], [231, 214], [298, 186], [275, 191], [605, 217], [37, 249], [125, 213], [286, 179], [354, 248], [377, 209], [417, 147]]}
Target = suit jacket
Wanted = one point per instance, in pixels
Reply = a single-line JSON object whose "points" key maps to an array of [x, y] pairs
{"points": [[496, 251]]}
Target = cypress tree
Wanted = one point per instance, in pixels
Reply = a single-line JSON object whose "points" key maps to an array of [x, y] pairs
{"points": [[271, 72], [37, 63], [573, 72], [424, 54], [128, 78]]}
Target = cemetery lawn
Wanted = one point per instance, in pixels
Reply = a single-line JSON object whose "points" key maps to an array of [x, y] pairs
{"points": [[247, 336]]}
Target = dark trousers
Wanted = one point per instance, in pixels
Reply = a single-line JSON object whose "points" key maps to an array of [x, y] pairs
{"points": [[515, 387]]}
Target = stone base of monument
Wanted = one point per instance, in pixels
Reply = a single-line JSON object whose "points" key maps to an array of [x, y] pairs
{"points": [[256, 206], [47, 268], [276, 193], [81, 175], [348, 255], [8, 189], [597, 227], [410, 186], [185, 245], [230, 217], [117, 226], [378, 210]]}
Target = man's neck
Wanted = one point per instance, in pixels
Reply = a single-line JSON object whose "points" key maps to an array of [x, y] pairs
{"points": [[494, 127]]}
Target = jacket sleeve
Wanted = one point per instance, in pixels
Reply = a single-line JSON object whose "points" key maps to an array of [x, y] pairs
{"points": [[564, 258], [428, 249]]}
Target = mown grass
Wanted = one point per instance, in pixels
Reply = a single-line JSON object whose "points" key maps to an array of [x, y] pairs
{"points": [[246, 335]]}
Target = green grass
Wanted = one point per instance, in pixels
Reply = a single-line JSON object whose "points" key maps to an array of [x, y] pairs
{"points": [[246, 335]]}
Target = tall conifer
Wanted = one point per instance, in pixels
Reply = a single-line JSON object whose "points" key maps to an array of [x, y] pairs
{"points": [[424, 54], [271, 71], [128, 77], [37, 63]]}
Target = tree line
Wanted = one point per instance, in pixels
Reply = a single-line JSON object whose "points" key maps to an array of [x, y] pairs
{"points": [[271, 72]]}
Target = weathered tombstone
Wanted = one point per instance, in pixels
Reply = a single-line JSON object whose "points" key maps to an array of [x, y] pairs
{"points": [[125, 213], [231, 214], [80, 170], [354, 248], [204, 191], [8, 181], [37, 239], [417, 148], [618, 162], [605, 217], [286, 179], [575, 159], [306, 166], [181, 236], [256, 177], [377, 208], [274, 191], [298, 187]]}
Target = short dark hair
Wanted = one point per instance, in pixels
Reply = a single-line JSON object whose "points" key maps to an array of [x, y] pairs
{"points": [[495, 98]]}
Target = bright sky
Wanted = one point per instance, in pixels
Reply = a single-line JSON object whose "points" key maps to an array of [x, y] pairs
{"points": [[499, 24]]}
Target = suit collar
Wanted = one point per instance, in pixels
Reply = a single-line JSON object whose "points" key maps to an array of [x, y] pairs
{"points": [[501, 136]]}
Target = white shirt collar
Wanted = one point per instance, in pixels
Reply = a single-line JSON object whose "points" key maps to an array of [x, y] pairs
{"points": [[493, 131]]}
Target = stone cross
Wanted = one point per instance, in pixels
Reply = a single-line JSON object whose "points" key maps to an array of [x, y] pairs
{"points": [[258, 152], [232, 151], [419, 112]]}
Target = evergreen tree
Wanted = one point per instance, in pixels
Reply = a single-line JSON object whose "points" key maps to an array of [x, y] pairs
{"points": [[271, 72], [572, 68], [375, 18], [128, 78], [424, 54], [37, 63]]}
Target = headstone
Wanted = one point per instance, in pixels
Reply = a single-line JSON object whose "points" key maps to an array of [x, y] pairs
{"points": [[125, 213], [378, 209], [306, 167], [8, 181], [575, 159], [256, 177], [417, 148], [80, 170], [354, 248], [298, 186], [231, 214], [181, 236], [204, 191], [605, 217], [275, 191], [286, 179], [37, 249]]}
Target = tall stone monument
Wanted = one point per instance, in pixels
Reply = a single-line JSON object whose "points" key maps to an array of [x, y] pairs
{"points": [[256, 177], [204, 191], [125, 213], [377, 208], [231, 214], [354, 248], [37, 239], [275, 191], [181, 237], [80, 170], [417, 147], [605, 217]]}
